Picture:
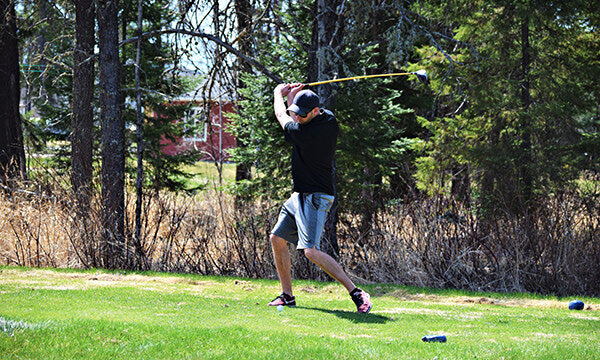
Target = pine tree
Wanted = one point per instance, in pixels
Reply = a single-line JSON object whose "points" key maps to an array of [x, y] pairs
{"points": [[82, 124], [113, 138], [522, 93], [12, 154]]}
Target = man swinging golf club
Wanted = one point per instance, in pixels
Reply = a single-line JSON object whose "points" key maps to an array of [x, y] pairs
{"points": [[312, 131]]}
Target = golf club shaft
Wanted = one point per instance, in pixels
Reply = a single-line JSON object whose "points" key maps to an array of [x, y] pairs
{"points": [[356, 77]]}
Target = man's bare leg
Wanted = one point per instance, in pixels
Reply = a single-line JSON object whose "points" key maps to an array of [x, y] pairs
{"points": [[330, 266], [281, 254]]}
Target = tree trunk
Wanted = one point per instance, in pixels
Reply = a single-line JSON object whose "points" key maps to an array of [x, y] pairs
{"points": [[244, 22], [139, 181], [327, 31], [12, 153], [41, 49], [526, 176], [461, 183], [371, 200], [113, 140], [83, 96]]}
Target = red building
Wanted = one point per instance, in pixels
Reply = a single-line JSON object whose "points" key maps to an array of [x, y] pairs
{"points": [[211, 138]]}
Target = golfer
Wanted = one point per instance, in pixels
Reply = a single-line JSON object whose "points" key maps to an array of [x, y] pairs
{"points": [[312, 131]]}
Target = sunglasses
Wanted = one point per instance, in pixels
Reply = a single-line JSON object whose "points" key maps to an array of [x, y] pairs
{"points": [[303, 115]]}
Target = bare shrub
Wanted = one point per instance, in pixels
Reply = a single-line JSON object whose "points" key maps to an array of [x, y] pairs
{"points": [[202, 234], [555, 249], [425, 242], [218, 238], [30, 225]]}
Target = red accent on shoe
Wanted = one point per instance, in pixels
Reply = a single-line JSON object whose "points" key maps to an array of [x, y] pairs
{"points": [[284, 300], [362, 301]]}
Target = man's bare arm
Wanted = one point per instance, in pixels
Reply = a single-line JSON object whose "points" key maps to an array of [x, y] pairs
{"points": [[294, 89], [279, 106]]}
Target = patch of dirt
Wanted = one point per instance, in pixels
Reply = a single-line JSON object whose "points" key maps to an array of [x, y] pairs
{"points": [[404, 295], [102, 279], [248, 285], [87, 280], [482, 300], [309, 289]]}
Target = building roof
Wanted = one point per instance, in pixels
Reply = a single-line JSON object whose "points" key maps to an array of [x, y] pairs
{"points": [[213, 88]]}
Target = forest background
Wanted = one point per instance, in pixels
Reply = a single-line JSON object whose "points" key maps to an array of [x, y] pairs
{"points": [[485, 178]]}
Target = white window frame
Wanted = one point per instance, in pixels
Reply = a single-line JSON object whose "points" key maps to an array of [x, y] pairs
{"points": [[194, 116]]}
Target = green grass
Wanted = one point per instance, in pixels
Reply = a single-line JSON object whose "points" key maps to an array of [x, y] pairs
{"points": [[67, 314], [205, 174]]}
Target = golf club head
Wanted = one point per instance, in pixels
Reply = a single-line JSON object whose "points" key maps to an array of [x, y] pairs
{"points": [[421, 76]]}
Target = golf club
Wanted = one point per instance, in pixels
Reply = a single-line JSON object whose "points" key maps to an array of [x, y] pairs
{"points": [[421, 76]]}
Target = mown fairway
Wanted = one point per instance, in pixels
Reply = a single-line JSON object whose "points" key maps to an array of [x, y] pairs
{"points": [[58, 314]]}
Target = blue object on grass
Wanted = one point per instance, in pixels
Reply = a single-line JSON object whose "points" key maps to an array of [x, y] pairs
{"points": [[576, 305], [434, 338]]}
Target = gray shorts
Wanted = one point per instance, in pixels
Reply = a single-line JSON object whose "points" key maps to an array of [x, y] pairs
{"points": [[302, 219]]}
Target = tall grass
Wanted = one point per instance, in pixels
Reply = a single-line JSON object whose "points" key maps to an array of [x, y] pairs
{"points": [[554, 249]]}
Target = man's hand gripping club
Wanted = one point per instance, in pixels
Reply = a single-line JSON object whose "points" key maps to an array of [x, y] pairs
{"points": [[281, 91]]}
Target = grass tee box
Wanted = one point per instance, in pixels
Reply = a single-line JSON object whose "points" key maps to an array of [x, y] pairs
{"points": [[64, 314]]}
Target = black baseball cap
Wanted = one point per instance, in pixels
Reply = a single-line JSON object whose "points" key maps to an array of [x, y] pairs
{"points": [[304, 102]]}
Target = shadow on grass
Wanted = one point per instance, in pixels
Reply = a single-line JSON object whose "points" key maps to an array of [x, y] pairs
{"points": [[352, 316]]}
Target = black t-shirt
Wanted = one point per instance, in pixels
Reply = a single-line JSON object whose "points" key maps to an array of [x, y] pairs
{"points": [[313, 153]]}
